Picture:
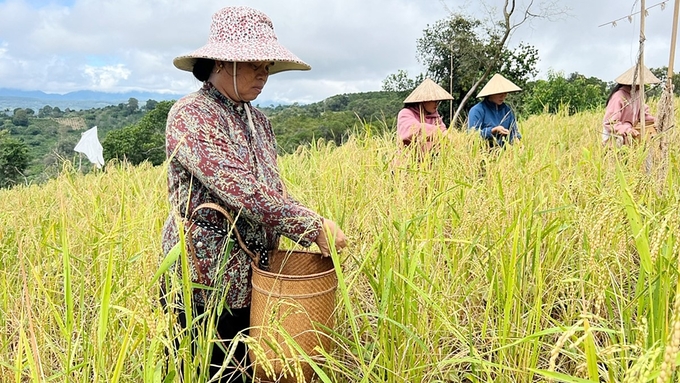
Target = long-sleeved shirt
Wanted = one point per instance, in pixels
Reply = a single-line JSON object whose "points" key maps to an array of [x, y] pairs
{"points": [[622, 113], [486, 115], [216, 157], [418, 129]]}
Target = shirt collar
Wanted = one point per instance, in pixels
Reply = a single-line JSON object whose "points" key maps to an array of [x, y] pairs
{"points": [[212, 91]]}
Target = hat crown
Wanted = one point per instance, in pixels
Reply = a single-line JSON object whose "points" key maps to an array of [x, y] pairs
{"points": [[428, 90], [243, 34], [497, 85], [627, 77], [234, 25]]}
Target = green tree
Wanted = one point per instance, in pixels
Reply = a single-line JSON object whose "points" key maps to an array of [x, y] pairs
{"points": [[14, 159], [662, 74], [461, 47], [400, 82], [132, 105], [559, 93], [150, 105], [144, 141], [458, 51], [20, 117], [45, 111]]}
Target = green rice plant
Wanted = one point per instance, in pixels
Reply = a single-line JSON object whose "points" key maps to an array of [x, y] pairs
{"points": [[555, 259]]}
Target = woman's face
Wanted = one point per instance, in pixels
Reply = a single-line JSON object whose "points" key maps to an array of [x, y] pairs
{"points": [[498, 98], [250, 79], [430, 106]]}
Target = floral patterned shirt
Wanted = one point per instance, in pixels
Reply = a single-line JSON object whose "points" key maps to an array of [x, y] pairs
{"points": [[216, 157]]}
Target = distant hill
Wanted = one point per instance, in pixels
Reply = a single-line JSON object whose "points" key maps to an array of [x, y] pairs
{"points": [[84, 99]]}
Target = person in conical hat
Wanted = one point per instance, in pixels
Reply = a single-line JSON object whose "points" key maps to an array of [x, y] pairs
{"points": [[622, 113], [419, 122], [492, 117], [222, 159]]}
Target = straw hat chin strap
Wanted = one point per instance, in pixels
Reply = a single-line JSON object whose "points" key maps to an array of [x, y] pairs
{"points": [[245, 104]]}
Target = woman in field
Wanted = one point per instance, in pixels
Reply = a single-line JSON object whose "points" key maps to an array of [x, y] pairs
{"points": [[621, 121], [222, 151], [492, 117], [419, 123]]}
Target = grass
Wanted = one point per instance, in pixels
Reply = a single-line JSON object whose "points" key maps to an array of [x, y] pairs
{"points": [[554, 260]]}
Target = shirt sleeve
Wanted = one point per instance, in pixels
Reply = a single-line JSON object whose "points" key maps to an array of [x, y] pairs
{"points": [[410, 128], [476, 122], [612, 116], [223, 166]]}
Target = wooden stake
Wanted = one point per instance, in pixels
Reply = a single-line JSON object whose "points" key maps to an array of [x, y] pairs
{"points": [[674, 36], [641, 71]]}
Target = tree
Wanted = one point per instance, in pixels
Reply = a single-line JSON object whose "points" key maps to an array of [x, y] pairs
{"points": [[45, 111], [400, 82], [144, 141], [20, 117], [457, 49], [132, 105], [559, 93], [662, 74], [14, 159], [150, 105]]}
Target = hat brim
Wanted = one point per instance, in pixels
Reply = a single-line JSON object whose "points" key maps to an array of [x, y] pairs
{"points": [[282, 58], [428, 90], [497, 85], [628, 76]]}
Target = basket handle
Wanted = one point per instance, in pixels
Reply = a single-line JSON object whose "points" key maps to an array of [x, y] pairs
{"points": [[225, 213]]}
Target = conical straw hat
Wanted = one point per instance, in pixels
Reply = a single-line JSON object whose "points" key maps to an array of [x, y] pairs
{"points": [[498, 84], [428, 90], [627, 77]]}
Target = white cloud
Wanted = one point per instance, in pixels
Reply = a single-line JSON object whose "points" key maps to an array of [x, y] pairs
{"points": [[106, 78], [352, 45]]}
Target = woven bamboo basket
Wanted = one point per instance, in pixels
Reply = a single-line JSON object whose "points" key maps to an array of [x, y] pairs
{"points": [[295, 299]]}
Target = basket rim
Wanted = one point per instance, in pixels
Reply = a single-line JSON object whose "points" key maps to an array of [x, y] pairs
{"points": [[289, 277]]}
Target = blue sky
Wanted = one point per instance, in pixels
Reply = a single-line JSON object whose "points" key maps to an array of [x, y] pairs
{"points": [[352, 45]]}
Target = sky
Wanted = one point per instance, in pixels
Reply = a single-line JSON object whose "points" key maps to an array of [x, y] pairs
{"points": [[60, 46]]}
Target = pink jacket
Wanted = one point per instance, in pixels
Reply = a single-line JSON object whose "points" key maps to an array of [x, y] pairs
{"points": [[411, 128], [622, 113]]}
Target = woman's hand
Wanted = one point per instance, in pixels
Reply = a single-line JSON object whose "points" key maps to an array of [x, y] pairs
{"points": [[500, 130], [331, 229]]}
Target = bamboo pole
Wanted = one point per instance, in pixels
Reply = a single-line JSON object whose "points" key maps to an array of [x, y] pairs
{"points": [[674, 35], [641, 67]]}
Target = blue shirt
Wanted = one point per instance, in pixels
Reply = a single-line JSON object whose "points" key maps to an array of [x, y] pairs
{"points": [[486, 115]]}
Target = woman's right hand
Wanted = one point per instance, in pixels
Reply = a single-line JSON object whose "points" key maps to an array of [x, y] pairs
{"points": [[332, 229]]}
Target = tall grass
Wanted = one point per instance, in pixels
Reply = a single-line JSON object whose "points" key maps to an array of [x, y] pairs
{"points": [[553, 260]]}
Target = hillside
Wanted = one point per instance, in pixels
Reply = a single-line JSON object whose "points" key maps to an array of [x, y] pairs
{"points": [[51, 132]]}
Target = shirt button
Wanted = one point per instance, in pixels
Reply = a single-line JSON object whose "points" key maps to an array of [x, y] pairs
{"points": [[199, 244]]}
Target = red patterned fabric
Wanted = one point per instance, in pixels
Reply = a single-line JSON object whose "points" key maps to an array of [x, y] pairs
{"points": [[243, 34], [215, 157]]}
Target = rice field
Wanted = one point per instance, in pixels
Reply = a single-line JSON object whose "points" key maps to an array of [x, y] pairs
{"points": [[555, 260]]}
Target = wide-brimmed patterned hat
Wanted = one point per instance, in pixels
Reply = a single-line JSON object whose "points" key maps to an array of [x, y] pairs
{"points": [[243, 34], [428, 90], [626, 78], [498, 84]]}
